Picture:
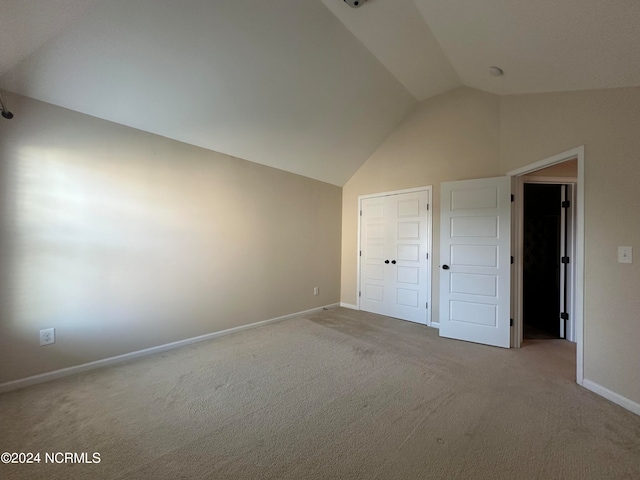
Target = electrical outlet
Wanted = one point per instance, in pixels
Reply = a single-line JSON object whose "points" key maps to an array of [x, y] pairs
{"points": [[316, 291], [47, 336]]}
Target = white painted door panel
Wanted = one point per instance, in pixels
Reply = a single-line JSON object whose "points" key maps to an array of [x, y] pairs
{"points": [[373, 274], [393, 266], [475, 257]]}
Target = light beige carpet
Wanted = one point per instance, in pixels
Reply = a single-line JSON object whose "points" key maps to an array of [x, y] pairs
{"points": [[340, 394]]}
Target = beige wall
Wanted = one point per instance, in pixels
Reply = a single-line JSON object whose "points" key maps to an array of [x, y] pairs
{"points": [[564, 169], [607, 122], [124, 240], [450, 137], [455, 136]]}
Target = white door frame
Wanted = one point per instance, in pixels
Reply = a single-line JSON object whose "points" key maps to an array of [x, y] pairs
{"points": [[578, 297], [429, 190]]}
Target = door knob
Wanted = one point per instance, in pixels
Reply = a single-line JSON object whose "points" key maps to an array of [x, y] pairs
{"points": [[445, 267], [393, 261], [386, 261]]}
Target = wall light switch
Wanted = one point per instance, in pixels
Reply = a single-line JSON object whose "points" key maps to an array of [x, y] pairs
{"points": [[625, 255]]}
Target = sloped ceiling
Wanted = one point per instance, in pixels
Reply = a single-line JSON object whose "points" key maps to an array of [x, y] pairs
{"points": [[308, 86], [542, 45]]}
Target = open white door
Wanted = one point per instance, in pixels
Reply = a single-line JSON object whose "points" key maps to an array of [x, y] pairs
{"points": [[475, 256]]}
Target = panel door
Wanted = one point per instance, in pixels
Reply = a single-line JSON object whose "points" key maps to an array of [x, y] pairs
{"points": [[374, 244], [394, 277], [475, 256]]}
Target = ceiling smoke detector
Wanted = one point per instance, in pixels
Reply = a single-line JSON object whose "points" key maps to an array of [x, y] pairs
{"points": [[355, 3]]}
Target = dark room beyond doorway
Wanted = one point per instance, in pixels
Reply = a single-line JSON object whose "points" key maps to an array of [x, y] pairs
{"points": [[543, 237]]}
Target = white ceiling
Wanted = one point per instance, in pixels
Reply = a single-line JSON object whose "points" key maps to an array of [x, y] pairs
{"points": [[313, 86], [542, 45], [395, 32]]}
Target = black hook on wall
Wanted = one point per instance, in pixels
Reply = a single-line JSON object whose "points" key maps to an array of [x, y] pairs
{"points": [[5, 113]]}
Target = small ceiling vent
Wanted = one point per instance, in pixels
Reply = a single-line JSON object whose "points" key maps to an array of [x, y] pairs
{"points": [[355, 3]]}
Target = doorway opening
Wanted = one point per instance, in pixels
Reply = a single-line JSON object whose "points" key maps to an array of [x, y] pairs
{"points": [[566, 171], [545, 264]]}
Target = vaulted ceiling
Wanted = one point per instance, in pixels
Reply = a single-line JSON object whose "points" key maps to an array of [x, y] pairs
{"points": [[307, 86]]}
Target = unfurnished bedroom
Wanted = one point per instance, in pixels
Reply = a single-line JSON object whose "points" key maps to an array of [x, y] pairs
{"points": [[319, 239]]}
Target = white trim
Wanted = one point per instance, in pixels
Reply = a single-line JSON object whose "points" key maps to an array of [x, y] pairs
{"points": [[429, 190], [349, 305], [616, 398], [358, 250], [430, 322], [578, 154], [579, 296], [65, 372], [541, 179]]}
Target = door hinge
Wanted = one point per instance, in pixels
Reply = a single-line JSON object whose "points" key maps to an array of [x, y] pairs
{"points": [[511, 259], [511, 322], [565, 259], [566, 204], [359, 294], [427, 305], [427, 256], [564, 316], [360, 212], [513, 197], [427, 206], [360, 252]]}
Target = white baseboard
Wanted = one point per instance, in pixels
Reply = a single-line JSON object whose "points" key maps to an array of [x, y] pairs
{"points": [[64, 372], [349, 305], [616, 398]]}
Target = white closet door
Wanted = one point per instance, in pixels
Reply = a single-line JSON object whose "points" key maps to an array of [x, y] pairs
{"points": [[394, 275]]}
